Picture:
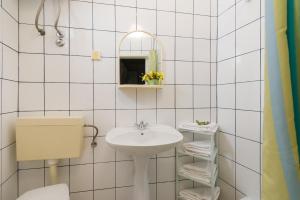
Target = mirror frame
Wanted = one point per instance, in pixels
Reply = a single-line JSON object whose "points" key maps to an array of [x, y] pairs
{"points": [[162, 56]]}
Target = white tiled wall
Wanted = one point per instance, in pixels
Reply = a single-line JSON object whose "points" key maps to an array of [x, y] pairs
{"points": [[9, 66], [240, 96], [64, 81]]}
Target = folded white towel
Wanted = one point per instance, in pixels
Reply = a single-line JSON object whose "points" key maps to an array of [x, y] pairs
{"points": [[202, 172], [204, 193], [203, 144], [194, 127], [203, 168], [198, 148]]}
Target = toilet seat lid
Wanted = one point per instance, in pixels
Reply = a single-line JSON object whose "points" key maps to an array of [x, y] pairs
{"points": [[57, 192]]}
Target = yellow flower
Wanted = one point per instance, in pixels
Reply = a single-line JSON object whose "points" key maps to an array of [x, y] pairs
{"points": [[153, 75]]}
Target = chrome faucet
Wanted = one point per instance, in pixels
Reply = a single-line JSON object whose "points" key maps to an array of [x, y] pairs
{"points": [[142, 125]]}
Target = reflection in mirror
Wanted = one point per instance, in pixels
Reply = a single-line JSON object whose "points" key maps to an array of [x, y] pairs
{"points": [[140, 58]]}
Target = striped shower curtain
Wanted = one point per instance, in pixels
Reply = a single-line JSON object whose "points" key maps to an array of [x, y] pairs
{"points": [[281, 172]]}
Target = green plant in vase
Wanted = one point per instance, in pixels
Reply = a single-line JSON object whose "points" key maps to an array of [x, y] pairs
{"points": [[153, 77]]}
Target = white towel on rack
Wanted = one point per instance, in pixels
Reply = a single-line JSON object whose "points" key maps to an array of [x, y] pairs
{"points": [[200, 171], [203, 148], [201, 168], [204, 193], [188, 126]]}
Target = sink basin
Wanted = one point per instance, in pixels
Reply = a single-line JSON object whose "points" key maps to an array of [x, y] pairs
{"points": [[142, 144], [151, 141]]}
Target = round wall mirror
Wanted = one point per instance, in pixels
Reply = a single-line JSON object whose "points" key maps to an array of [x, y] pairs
{"points": [[140, 60]]}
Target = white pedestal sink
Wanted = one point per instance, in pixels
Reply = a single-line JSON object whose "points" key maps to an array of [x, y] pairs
{"points": [[142, 144]]}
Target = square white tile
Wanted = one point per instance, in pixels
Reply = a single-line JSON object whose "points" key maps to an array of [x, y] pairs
{"points": [[86, 154], [8, 129], [202, 71], [56, 96], [25, 11], [103, 152], [131, 3], [151, 4], [80, 42], [226, 71], [226, 23], [184, 49], [81, 96], [248, 38], [125, 19], [248, 96], [108, 194], [51, 12], [31, 67], [10, 96], [226, 120], [12, 7], [125, 118], [246, 149], [202, 50], [166, 97], [10, 64], [166, 23], [104, 175], [31, 96], [248, 67], [124, 173], [202, 7], [30, 179], [166, 191], [82, 195], [105, 119], [146, 99], [29, 40], [104, 42], [248, 182], [146, 20], [226, 96], [166, 116], [184, 25], [81, 14], [169, 46], [104, 71], [148, 116], [81, 178], [104, 96], [202, 26], [125, 193], [81, 69], [167, 5], [202, 98], [126, 99], [227, 145], [184, 72], [247, 12], [165, 169], [226, 47], [56, 68], [227, 170], [185, 6], [104, 17]]}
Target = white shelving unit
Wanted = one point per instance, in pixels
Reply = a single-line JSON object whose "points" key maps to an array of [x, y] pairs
{"points": [[211, 160]]}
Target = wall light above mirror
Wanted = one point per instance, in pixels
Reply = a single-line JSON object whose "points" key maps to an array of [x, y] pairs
{"points": [[140, 61]]}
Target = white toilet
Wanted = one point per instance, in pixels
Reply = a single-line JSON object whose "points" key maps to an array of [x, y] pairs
{"points": [[57, 192]]}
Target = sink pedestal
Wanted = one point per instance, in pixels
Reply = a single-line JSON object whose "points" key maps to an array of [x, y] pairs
{"points": [[141, 183]]}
